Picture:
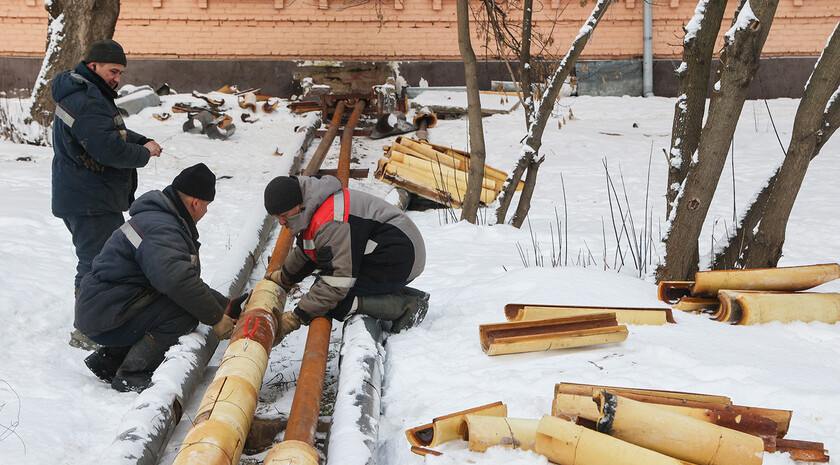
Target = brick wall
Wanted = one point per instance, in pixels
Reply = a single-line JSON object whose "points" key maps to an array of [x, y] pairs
{"points": [[397, 30]]}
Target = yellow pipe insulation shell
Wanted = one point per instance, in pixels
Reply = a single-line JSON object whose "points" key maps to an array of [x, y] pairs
{"points": [[676, 435], [484, 432], [788, 279], [757, 308], [208, 443], [292, 452], [566, 443], [245, 359]]}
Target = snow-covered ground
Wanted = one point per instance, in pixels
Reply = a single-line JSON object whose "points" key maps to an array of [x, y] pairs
{"points": [[53, 410]]}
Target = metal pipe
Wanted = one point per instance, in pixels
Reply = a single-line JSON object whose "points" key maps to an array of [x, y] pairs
{"points": [[299, 439], [647, 65], [347, 142], [327, 140]]}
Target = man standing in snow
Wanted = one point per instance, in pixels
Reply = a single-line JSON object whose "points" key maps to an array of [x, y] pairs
{"points": [[366, 249], [94, 170], [144, 290]]}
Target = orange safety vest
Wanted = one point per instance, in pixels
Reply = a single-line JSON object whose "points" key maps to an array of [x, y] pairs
{"points": [[335, 208]]}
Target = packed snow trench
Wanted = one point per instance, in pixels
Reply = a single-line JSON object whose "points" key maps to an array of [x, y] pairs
{"points": [[53, 410]]}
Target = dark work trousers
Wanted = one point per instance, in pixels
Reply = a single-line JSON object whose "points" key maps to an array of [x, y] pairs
{"points": [[89, 235], [163, 319], [363, 287]]}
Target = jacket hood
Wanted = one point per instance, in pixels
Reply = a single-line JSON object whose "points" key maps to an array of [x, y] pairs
{"points": [[314, 192], [156, 201], [65, 83]]}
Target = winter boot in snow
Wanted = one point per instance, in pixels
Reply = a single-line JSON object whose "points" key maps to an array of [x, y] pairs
{"points": [[135, 372], [105, 361], [404, 309]]}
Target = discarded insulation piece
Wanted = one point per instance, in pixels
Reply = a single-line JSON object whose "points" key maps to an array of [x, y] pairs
{"points": [[484, 432], [557, 333], [752, 308], [566, 443], [449, 427], [624, 315], [721, 409], [583, 407], [803, 451], [248, 101], [787, 279], [679, 436], [696, 304]]}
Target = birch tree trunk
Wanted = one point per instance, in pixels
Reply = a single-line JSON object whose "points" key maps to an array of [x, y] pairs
{"points": [[469, 209], [760, 236], [530, 157], [73, 26], [693, 74], [739, 63]]}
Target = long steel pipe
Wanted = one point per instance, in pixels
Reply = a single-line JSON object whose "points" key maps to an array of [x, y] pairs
{"points": [[299, 439]]}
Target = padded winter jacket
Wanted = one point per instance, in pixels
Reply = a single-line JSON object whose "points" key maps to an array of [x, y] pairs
{"points": [[154, 253], [371, 248], [95, 156]]}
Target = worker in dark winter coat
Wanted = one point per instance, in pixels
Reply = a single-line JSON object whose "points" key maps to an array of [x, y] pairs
{"points": [[366, 249], [144, 290], [94, 170]]}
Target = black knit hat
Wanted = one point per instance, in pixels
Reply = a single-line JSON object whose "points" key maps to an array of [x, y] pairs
{"points": [[105, 51], [197, 181], [282, 194]]}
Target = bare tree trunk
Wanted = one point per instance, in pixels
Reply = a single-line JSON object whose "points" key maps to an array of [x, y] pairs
{"points": [[530, 157], [698, 46], [525, 70], [739, 63], [469, 209], [73, 26], [760, 237]]}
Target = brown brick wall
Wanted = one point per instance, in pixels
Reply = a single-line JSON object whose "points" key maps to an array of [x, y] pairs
{"points": [[420, 30]]}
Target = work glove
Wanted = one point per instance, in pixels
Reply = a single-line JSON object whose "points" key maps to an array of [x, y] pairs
{"points": [[277, 277], [289, 322], [234, 306], [224, 327]]}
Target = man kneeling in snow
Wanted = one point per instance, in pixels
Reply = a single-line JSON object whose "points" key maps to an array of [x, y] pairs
{"points": [[366, 249], [145, 291]]}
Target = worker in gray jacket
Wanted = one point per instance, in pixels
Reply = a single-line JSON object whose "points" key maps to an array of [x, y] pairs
{"points": [[145, 290], [366, 250]]}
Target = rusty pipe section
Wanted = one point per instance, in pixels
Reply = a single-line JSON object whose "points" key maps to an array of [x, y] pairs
{"points": [[298, 445], [327, 140], [347, 142], [227, 408]]}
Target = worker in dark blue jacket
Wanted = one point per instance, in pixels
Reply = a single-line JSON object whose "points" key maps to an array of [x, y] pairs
{"points": [[144, 290], [94, 170]]}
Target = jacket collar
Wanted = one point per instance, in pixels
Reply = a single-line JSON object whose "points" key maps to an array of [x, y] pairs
{"points": [[82, 70], [173, 197]]}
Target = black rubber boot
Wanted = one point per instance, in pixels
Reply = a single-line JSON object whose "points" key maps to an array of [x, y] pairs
{"points": [[404, 310], [105, 361], [135, 372]]}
